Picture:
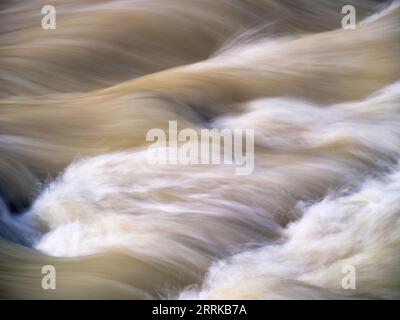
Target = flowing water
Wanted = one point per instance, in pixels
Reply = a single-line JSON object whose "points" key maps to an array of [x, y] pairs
{"points": [[76, 191]]}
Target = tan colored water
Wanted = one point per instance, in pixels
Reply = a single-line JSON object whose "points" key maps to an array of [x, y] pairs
{"points": [[76, 191]]}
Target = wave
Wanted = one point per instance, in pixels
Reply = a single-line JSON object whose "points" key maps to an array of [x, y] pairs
{"points": [[77, 192]]}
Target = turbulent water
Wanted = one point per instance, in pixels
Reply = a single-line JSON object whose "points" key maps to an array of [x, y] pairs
{"points": [[76, 191]]}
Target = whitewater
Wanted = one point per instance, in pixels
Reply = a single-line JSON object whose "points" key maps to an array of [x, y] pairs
{"points": [[76, 190]]}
